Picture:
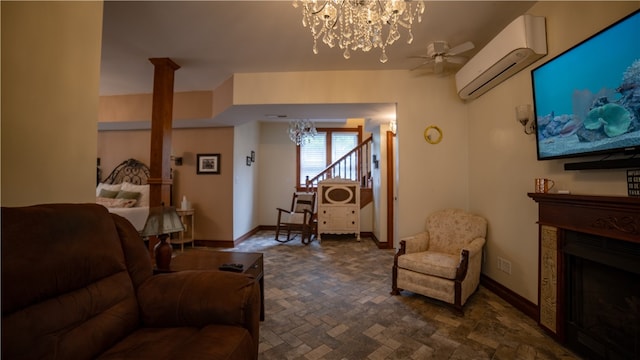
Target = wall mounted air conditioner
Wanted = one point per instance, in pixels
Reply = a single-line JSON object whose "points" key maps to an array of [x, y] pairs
{"points": [[518, 45]]}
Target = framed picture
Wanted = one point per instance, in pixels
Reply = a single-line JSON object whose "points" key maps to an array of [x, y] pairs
{"points": [[208, 164]]}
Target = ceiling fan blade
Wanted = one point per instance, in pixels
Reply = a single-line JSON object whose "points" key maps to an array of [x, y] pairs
{"points": [[419, 57], [464, 47], [456, 59], [421, 65]]}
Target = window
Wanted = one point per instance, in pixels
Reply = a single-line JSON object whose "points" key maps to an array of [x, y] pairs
{"points": [[325, 148]]}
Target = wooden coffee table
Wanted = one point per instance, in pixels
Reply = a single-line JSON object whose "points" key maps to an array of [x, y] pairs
{"points": [[211, 260]]}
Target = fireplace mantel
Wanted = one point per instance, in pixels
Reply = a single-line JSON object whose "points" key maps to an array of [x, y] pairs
{"points": [[606, 216], [615, 217]]}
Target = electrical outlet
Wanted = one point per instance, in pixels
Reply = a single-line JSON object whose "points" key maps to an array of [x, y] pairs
{"points": [[504, 265]]}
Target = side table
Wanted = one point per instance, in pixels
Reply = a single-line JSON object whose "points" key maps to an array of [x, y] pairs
{"points": [[186, 236]]}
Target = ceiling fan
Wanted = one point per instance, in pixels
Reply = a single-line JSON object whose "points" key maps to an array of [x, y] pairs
{"points": [[439, 54]]}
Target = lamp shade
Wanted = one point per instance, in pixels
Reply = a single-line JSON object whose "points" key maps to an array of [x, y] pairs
{"points": [[162, 220]]}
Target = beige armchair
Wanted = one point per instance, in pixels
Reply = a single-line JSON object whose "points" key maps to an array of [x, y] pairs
{"points": [[445, 260]]}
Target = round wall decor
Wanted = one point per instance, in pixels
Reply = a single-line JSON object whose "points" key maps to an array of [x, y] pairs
{"points": [[433, 134]]}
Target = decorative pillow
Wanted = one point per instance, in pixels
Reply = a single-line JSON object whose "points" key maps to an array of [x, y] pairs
{"points": [[110, 187], [115, 203], [143, 200], [108, 194], [127, 195]]}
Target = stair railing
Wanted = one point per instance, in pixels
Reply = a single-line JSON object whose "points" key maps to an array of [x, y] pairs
{"points": [[354, 165]]}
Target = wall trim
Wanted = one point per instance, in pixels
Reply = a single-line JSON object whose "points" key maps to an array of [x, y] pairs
{"points": [[214, 243], [380, 245], [249, 234], [228, 243], [525, 306]]}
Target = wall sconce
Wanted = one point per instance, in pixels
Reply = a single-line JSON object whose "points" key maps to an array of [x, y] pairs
{"points": [[177, 160], [524, 115], [251, 158], [393, 126], [376, 162]]}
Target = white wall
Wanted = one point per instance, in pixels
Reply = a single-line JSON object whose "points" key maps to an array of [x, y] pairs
{"points": [[502, 159], [379, 209], [50, 77], [277, 169], [431, 176], [245, 179]]}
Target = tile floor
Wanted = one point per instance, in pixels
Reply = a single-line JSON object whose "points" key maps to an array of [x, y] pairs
{"points": [[331, 300]]}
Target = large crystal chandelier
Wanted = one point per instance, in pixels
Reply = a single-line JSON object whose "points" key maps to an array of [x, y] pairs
{"points": [[302, 131], [359, 24]]}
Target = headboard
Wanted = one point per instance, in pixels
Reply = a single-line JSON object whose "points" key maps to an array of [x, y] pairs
{"points": [[131, 171]]}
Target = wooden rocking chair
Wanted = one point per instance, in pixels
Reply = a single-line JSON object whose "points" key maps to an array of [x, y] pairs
{"points": [[299, 219]]}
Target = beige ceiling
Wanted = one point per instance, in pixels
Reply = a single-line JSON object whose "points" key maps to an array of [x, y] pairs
{"points": [[211, 40]]}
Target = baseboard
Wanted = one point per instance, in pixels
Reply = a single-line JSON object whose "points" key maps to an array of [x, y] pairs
{"points": [[380, 245], [248, 235], [375, 239], [214, 243], [228, 244], [368, 234], [525, 306]]}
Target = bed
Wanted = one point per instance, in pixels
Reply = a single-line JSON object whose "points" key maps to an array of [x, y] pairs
{"points": [[125, 192]]}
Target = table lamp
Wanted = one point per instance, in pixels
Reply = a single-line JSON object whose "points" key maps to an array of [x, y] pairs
{"points": [[162, 221]]}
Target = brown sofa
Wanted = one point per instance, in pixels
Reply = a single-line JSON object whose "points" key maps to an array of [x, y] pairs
{"points": [[77, 283]]}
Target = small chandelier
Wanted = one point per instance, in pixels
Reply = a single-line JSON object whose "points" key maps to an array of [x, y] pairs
{"points": [[358, 24], [302, 131]]}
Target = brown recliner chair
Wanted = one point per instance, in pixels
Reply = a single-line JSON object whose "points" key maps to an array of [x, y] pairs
{"points": [[77, 283]]}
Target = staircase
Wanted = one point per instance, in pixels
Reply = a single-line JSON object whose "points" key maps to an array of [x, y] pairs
{"points": [[354, 165]]}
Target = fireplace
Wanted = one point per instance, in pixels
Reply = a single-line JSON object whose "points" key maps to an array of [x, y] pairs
{"points": [[589, 287], [602, 296]]}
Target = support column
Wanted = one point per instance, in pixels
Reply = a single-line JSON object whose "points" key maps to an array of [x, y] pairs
{"points": [[160, 180]]}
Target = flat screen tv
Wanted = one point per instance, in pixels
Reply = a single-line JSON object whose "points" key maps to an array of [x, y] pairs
{"points": [[587, 99]]}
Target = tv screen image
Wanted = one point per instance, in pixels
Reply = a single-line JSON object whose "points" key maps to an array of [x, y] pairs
{"points": [[587, 99]]}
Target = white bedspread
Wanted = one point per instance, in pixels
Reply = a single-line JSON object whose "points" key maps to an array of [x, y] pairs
{"points": [[136, 215]]}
